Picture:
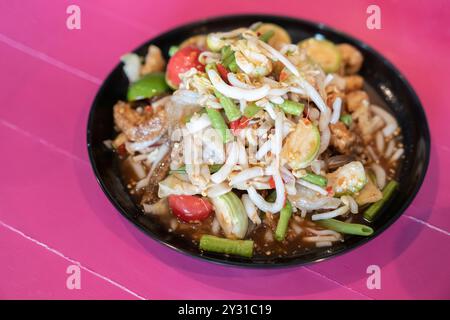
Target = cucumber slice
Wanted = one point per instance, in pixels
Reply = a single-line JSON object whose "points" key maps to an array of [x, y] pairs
{"points": [[280, 36], [302, 145], [150, 85], [231, 214], [348, 179], [322, 52]]}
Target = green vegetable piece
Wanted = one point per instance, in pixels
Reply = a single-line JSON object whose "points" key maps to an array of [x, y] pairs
{"points": [[267, 35], [173, 50], [316, 179], [301, 145], [228, 59], [233, 66], [212, 169], [221, 245], [148, 86], [292, 107], [218, 123], [322, 52], [231, 110], [231, 214], [226, 52], [251, 110], [373, 210], [344, 227], [283, 221], [346, 119]]}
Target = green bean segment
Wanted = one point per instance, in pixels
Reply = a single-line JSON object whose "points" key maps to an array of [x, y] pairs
{"points": [[283, 221], [373, 210], [292, 107], [231, 110], [221, 245], [251, 110], [218, 123], [212, 169], [315, 179], [228, 59], [267, 35], [344, 227]]}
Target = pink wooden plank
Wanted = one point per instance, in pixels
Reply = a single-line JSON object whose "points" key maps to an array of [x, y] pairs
{"points": [[413, 259], [45, 101], [45, 277], [94, 49], [66, 209]]}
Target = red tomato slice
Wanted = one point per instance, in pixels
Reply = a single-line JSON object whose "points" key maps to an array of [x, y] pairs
{"points": [[190, 208], [182, 61]]}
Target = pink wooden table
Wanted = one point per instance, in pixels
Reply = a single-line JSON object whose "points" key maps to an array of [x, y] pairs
{"points": [[53, 214]]}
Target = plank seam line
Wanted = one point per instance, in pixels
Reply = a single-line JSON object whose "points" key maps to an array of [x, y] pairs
{"points": [[337, 282], [48, 59], [41, 141], [56, 252], [429, 225]]}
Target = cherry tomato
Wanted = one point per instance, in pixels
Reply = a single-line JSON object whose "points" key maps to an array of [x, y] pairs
{"points": [[190, 208], [223, 72], [182, 61]]}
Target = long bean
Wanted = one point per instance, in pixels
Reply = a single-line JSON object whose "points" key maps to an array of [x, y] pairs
{"points": [[283, 221], [267, 35], [228, 59], [292, 107], [231, 110], [218, 123], [344, 227], [212, 169], [251, 110], [373, 210], [221, 245], [315, 179]]}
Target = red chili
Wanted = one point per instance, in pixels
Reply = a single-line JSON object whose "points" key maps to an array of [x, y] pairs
{"points": [[223, 72], [330, 191], [272, 183], [238, 124]]}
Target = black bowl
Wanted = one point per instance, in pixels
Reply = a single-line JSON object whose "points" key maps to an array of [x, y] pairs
{"points": [[389, 87]]}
